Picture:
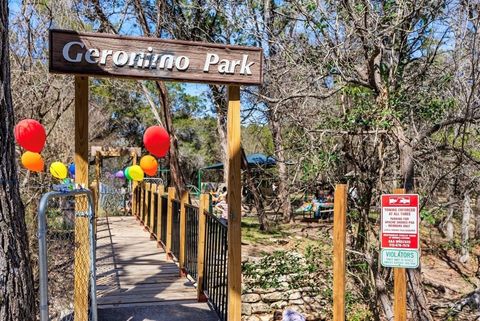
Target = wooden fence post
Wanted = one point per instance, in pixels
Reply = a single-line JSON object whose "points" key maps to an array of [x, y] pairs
{"points": [[161, 191], [81, 265], [171, 196], [145, 206], [339, 245], [181, 259], [141, 195], [399, 285], [153, 190], [203, 206]]}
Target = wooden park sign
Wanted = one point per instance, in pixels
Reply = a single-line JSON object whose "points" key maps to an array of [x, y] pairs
{"points": [[106, 55], [97, 54]]}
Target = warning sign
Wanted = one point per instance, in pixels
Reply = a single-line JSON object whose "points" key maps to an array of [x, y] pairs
{"points": [[400, 220]]}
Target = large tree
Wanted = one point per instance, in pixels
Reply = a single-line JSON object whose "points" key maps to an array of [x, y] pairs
{"points": [[17, 300]]}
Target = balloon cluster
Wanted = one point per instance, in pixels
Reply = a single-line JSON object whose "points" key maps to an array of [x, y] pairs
{"points": [[157, 142], [31, 135]]}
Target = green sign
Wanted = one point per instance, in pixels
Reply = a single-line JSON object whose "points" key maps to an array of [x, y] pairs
{"points": [[408, 259]]}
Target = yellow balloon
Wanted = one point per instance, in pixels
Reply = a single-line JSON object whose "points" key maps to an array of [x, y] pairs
{"points": [[136, 173], [58, 170]]}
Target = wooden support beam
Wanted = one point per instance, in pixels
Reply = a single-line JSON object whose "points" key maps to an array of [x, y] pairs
{"points": [[161, 191], [234, 206], [399, 285], [81, 265], [181, 259], [98, 173], [339, 250], [171, 196], [203, 206]]}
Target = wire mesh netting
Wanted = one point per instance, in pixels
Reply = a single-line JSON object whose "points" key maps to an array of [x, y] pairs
{"points": [[68, 257]]}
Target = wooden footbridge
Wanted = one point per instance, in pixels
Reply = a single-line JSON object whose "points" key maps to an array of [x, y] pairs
{"points": [[168, 261]]}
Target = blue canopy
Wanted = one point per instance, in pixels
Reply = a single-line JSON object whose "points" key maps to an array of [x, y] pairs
{"points": [[253, 160]]}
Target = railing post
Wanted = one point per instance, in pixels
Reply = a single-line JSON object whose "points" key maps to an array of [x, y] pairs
{"points": [[160, 191], [145, 211], [141, 186], [181, 259], [201, 246], [171, 196]]}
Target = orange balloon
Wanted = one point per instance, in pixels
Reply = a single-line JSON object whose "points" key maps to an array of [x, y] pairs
{"points": [[33, 161], [149, 165]]}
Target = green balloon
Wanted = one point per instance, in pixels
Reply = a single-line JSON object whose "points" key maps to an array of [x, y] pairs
{"points": [[127, 174]]}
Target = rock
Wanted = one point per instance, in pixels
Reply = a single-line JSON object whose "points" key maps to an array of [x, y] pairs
{"points": [[295, 296], [251, 298], [246, 309], [260, 308], [253, 318], [279, 305], [266, 318], [272, 297], [296, 302]]}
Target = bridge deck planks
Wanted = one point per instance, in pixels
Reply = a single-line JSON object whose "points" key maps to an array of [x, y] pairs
{"points": [[133, 271]]}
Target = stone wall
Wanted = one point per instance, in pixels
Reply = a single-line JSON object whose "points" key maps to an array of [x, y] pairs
{"points": [[261, 305]]}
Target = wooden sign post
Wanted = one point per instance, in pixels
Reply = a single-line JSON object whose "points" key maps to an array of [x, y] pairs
{"points": [[399, 285], [234, 206], [106, 55], [339, 251]]}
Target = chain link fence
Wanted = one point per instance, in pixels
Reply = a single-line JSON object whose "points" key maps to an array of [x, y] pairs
{"points": [[66, 257]]}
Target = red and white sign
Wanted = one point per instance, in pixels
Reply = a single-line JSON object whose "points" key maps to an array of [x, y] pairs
{"points": [[400, 221]]}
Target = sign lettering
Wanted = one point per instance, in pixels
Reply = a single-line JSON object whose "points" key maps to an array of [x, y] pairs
{"points": [[152, 58], [399, 238]]}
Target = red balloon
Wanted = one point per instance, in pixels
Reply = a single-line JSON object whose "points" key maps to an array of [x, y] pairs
{"points": [[156, 141], [31, 135]]}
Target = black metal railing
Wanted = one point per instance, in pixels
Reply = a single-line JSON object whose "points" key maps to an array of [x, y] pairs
{"points": [[155, 211], [175, 248], [148, 197], [163, 236], [191, 240], [215, 265]]}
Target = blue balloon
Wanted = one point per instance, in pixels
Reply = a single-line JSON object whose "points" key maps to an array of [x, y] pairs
{"points": [[71, 169]]}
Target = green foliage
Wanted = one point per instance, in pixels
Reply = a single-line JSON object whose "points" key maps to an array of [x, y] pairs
{"points": [[288, 269]]}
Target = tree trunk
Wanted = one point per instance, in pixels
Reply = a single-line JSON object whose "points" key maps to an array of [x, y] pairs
{"points": [[467, 211], [175, 170], [283, 193], [17, 299], [416, 294], [257, 199], [221, 109], [477, 218]]}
